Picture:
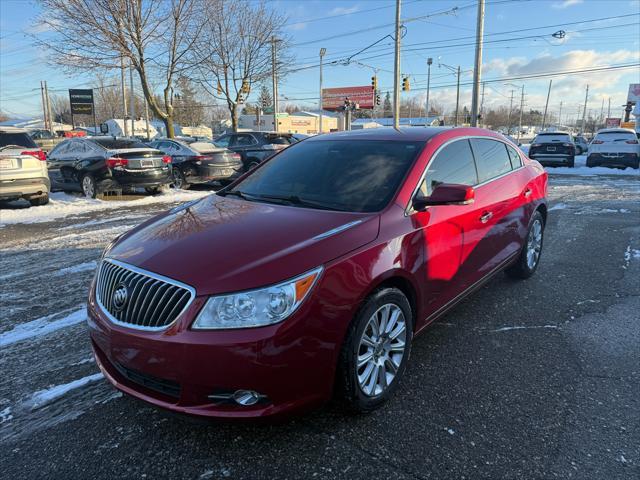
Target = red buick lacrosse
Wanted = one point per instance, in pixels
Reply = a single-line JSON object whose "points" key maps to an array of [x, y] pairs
{"points": [[310, 276]]}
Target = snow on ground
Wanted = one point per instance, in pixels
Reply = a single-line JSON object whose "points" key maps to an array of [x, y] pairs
{"points": [[43, 397], [81, 267], [64, 205], [43, 326]]}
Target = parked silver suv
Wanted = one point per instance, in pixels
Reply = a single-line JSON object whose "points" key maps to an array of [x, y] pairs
{"points": [[23, 168]]}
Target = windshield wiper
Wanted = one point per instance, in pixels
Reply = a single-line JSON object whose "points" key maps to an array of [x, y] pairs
{"points": [[237, 193], [296, 200]]}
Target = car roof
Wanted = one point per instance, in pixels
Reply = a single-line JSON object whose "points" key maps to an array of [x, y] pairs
{"points": [[407, 134], [554, 133]]}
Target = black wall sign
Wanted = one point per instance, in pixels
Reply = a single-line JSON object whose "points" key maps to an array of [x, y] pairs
{"points": [[81, 101]]}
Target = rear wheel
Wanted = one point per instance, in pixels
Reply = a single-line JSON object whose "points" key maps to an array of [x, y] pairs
{"points": [[376, 350], [36, 202], [527, 262], [179, 180], [89, 188], [571, 162], [590, 163]]}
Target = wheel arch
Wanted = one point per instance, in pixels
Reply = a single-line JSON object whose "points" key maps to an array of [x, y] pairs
{"points": [[399, 280]]}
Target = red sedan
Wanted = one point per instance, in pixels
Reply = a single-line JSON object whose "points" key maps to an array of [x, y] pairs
{"points": [[310, 275]]}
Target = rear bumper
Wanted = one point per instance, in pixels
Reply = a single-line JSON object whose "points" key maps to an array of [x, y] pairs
{"points": [[210, 173], [29, 187], [552, 159], [622, 160], [131, 178]]}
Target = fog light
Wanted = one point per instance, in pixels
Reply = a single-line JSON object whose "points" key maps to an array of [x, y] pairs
{"points": [[246, 397]]}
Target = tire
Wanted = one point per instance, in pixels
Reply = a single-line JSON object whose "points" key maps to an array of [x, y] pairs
{"points": [[361, 394], [179, 180], [88, 185], [39, 201], [527, 262], [155, 190], [571, 162], [590, 163], [252, 165], [578, 150]]}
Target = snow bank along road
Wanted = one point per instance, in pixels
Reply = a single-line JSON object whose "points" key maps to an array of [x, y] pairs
{"points": [[535, 379]]}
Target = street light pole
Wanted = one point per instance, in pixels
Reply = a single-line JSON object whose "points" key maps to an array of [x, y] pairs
{"points": [[396, 72], [521, 109], [429, 62], [477, 69], [274, 79], [322, 53], [458, 96], [124, 97]]}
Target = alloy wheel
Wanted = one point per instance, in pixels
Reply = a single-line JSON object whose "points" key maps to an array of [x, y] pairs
{"points": [[381, 349], [534, 243], [88, 187], [177, 179]]}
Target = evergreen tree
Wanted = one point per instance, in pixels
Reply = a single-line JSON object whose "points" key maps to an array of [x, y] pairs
{"points": [[265, 100]]}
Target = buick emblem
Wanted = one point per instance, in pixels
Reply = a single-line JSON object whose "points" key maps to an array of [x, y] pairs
{"points": [[120, 296]]}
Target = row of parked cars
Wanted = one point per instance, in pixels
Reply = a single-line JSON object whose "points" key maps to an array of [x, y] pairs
{"points": [[612, 147], [93, 165]]}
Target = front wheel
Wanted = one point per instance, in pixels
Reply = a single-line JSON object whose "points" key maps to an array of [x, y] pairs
{"points": [[376, 350], [529, 257]]}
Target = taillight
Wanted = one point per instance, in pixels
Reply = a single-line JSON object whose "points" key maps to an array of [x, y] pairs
{"points": [[166, 159], [117, 162], [534, 145], [597, 142], [39, 154], [634, 141], [236, 156]]}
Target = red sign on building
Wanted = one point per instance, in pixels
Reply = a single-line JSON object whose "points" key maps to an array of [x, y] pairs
{"points": [[333, 98], [613, 122]]}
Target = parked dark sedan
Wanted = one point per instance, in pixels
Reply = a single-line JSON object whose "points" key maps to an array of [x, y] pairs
{"points": [[553, 149], [255, 147], [96, 164], [199, 162]]}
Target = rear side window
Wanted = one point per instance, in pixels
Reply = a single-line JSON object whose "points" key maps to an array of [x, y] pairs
{"points": [[453, 164], [222, 141], [516, 161], [243, 141], [279, 140], [18, 139], [492, 159], [59, 149]]}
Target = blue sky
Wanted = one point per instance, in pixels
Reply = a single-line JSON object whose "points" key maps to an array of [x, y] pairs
{"points": [[446, 36]]}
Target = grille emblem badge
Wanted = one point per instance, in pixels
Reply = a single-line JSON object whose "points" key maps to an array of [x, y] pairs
{"points": [[120, 297]]}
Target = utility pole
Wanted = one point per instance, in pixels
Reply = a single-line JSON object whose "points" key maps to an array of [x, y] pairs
{"points": [[609, 109], [396, 71], [584, 110], [546, 105], [429, 62], [146, 116], [509, 114], [45, 117], [458, 96], [274, 79], [601, 118], [482, 105], [124, 97], [48, 102], [323, 51], [521, 109], [477, 69], [132, 101], [560, 114]]}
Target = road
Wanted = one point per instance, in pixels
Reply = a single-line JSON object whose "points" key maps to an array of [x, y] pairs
{"points": [[533, 379]]}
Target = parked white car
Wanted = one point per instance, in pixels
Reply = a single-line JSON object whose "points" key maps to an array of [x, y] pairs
{"points": [[614, 147], [23, 168]]}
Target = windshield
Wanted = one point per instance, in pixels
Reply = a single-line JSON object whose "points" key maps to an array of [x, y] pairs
{"points": [[349, 175], [552, 137]]}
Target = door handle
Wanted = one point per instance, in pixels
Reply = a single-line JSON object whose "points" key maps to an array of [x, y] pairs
{"points": [[486, 216], [527, 192]]}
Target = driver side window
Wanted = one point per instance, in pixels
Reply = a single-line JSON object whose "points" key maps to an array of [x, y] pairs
{"points": [[453, 164]]}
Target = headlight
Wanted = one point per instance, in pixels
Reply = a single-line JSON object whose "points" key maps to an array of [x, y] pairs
{"points": [[256, 308]]}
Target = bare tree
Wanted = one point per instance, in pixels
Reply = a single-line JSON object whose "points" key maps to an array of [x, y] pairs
{"points": [[234, 49], [154, 35]]}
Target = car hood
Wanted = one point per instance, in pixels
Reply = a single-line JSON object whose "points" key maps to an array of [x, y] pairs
{"points": [[225, 244]]}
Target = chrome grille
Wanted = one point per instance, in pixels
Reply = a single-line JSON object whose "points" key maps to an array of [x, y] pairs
{"points": [[139, 299]]}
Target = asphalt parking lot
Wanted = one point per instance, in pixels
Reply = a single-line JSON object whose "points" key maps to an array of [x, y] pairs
{"points": [[533, 379]]}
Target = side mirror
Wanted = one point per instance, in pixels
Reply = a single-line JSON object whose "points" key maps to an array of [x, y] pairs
{"points": [[446, 194]]}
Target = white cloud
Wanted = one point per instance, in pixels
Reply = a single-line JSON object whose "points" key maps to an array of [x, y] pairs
{"points": [[344, 10], [566, 4], [297, 26]]}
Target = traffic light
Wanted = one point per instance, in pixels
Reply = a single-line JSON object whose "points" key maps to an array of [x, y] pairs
{"points": [[265, 103], [405, 84], [374, 83], [245, 87], [377, 98], [240, 98]]}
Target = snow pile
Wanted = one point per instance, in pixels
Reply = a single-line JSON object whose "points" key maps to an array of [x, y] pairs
{"points": [[64, 205]]}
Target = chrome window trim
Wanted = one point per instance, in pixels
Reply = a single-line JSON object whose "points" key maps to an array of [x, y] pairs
{"points": [[408, 210], [156, 276]]}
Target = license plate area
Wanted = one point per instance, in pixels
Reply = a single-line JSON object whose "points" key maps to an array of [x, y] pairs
{"points": [[551, 149], [146, 164], [6, 163]]}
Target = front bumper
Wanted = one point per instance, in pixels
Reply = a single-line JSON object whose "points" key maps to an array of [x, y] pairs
{"points": [[28, 188], [290, 363], [621, 160]]}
